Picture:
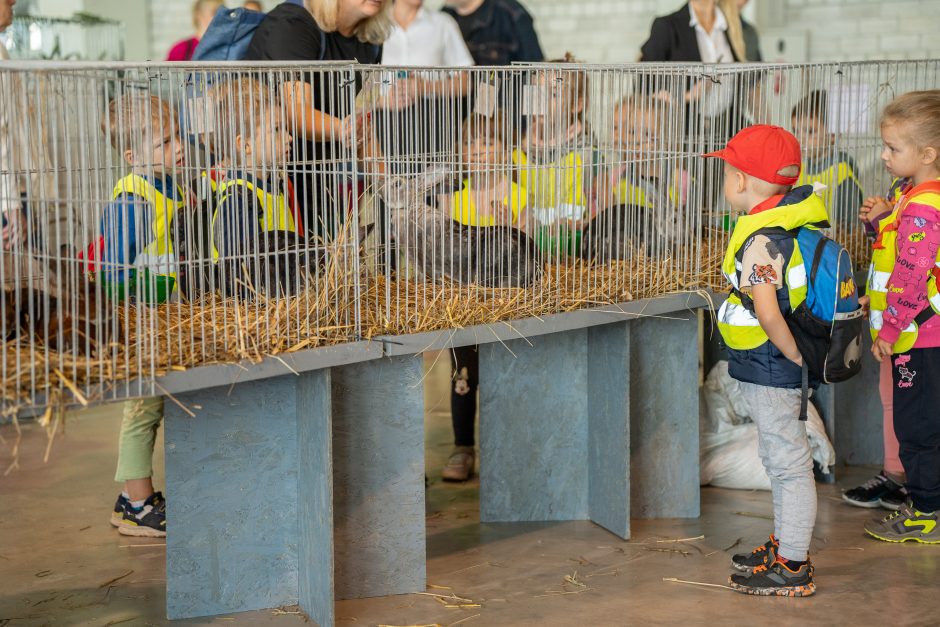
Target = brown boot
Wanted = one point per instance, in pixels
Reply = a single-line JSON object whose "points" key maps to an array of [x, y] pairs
{"points": [[460, 465]]}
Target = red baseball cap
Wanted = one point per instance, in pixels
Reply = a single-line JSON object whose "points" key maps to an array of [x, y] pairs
{"points": [[762, 151]]}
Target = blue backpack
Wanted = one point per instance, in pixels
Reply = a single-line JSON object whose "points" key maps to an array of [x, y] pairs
{"points": [[230, 33]]}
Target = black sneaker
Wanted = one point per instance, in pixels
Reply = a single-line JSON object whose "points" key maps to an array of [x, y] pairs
{"points": [[895, 499], [148, 521], [869, 493], [776, 580], [764, 554], [118, 514]]}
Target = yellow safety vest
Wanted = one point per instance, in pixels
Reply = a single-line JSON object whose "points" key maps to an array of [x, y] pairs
{"points": [[831, 177], [883, 258], [465, 210], [739, 327], [558, 185], [157, 256], [626, 193], [276, 215]]}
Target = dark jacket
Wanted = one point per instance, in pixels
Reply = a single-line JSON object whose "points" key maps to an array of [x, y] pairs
{"points": [[500, 32], [751, 42], [672, 39]]}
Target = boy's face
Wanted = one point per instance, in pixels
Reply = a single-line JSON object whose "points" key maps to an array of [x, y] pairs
{"points": [[483, 151], [734, 188], [162, 152], [814, 137], [269, 146], [634, 129]]}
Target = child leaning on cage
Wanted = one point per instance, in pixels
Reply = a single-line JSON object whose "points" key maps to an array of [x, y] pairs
{"points": [[823, 162], [557, 156], [761, 164], [135, 261], [257, 233], [904, 308], [488, 196]]}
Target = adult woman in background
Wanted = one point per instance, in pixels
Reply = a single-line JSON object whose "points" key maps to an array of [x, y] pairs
{"points": [[203, 12], [317, 104]]}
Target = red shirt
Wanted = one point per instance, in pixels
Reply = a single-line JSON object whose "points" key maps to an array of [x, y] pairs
{"points": [[183, 50]]}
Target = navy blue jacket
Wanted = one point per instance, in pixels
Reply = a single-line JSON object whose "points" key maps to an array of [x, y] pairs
{"points": [[500, 32]]}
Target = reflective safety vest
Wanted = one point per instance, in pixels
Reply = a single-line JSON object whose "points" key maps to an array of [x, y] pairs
{"points": [[643, 194], [739, 326], [464, 209], [831, 177], [276, 213], [157, 256], [884, 256], [558, 186]]}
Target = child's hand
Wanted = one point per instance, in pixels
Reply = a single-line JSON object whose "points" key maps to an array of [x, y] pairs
{"points": [[12, 228], [882, 349], [873, 207], [864, 301]]}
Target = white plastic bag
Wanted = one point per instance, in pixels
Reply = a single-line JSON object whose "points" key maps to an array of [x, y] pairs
{"points": [[728, 438]]}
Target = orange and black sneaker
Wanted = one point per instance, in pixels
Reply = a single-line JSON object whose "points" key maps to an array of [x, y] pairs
{"points": [[764, 554], [777, 579]]}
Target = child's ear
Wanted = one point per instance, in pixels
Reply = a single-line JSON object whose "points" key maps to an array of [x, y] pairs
{"points": [[740, 182], [929, 155], [129, 157], [242, 145]]}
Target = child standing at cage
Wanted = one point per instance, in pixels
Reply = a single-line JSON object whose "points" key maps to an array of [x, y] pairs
{"points": [[761, 164], [905, 309], [822, 162], [649, 180], [489, 196], [557, 157], [137, 262], [255, 219]]}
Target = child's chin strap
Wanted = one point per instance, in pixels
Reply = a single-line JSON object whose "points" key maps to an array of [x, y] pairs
{"points": [[804, 396]]}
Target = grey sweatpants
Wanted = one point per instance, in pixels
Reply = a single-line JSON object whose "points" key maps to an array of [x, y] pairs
{"points": [[784, 449]]}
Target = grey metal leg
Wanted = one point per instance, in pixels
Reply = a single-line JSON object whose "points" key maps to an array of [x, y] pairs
{"points": [[378, 466], [664, 418], [248, 485], [533, 429]]}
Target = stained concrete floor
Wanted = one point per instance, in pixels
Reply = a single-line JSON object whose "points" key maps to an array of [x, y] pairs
{"points": [[61, 563]]}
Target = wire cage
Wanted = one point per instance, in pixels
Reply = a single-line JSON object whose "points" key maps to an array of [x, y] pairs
{"points": [[159, 217], [81, 38]]}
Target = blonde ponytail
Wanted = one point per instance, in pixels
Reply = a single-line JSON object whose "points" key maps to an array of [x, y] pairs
{"points": [[735, 30]]}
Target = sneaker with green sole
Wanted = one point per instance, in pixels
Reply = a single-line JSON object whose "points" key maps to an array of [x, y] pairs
{"points": [[906, 524]]}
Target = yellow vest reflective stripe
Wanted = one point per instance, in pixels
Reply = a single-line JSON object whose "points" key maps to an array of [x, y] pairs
{"points": [[739, 327], [627, 193], [558, 185], [883, 259], [831, 177], [157, 254], [465, 210], [276, 215]]}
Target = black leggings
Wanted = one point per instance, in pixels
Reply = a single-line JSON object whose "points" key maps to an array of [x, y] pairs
{"points": [[914, 376], [465, 379]]}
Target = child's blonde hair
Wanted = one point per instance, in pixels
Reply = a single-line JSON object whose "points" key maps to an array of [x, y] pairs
{"points": [[240, 110], [133, 119], [920, 111], [486, 128], [374, 30], [204, 6]]}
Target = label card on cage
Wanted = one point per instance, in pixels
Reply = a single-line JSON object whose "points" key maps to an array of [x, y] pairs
{"points": [[849, 111], [485, 102], [534, 100], [200, 115]]}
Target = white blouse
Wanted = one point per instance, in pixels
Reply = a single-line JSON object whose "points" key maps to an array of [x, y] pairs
{"points": [[432, 39]]}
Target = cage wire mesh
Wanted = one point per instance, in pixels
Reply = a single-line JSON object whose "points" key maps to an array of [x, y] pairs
{"points": [[161, 217]]}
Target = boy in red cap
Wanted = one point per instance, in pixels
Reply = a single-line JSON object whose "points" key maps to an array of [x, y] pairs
{"points": [[765, 268]]}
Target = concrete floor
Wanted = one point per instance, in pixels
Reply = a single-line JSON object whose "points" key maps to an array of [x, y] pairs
{"points": [[61, 563]]}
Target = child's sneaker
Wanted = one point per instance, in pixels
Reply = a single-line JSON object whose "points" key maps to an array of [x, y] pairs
{"points": [[764, 554], [148, 521], [869, 493], [895, 499], [118, 514], [776, 579], [906, 524]]}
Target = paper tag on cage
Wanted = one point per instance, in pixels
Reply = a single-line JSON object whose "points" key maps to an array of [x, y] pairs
{"points": [[849, 109], [199, 116], [534, 100], [485, 102]]}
